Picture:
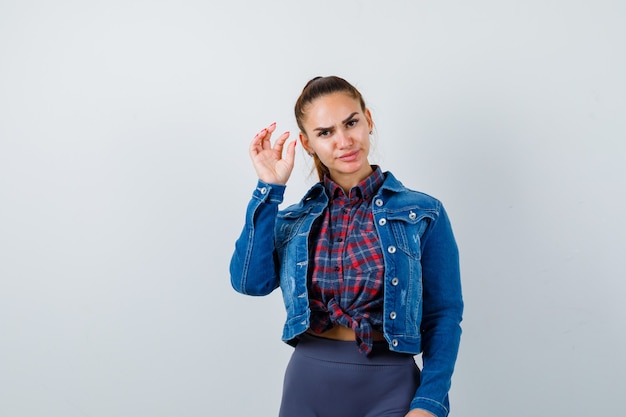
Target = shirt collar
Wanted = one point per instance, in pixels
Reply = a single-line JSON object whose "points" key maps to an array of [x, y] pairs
{"points": [[363, 190]]}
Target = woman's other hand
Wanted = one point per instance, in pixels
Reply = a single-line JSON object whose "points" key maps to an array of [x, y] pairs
{"points": [[268, 160], [416, 412]]}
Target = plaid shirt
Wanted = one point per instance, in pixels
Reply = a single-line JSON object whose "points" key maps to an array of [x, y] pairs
{"points": [[346, 279]]}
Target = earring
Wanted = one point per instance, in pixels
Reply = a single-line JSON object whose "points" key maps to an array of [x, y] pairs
{"points": [[371, 132]]}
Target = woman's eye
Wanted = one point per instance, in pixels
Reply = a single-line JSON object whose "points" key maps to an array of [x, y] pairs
{"points": [[324, 133], [352, 122]]}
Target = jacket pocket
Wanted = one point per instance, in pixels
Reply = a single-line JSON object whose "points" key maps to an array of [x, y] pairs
{"points": [[287, 227], [408, 227]]}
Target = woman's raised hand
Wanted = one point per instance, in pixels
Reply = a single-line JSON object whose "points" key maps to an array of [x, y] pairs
{"points": [[268, 160]]}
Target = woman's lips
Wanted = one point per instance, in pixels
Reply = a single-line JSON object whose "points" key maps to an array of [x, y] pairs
{"points": [[349, 157]]}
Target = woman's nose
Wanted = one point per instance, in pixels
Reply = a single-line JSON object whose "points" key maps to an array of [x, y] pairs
{"points": [[343, 140]]}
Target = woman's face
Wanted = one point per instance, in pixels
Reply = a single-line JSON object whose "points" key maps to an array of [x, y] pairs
{"points": [[337, 130]]}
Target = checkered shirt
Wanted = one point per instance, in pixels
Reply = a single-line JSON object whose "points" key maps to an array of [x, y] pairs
{"points": [[346, 278]]}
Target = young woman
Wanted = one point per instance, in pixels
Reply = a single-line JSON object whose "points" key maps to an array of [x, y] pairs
{"points": [[368, 269]]}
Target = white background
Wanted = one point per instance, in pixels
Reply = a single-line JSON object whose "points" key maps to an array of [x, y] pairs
{"points": [[124, 176]]}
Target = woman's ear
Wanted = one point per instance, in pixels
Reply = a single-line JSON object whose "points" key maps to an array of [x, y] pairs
{"points": [[304, 140], [370, 121]]}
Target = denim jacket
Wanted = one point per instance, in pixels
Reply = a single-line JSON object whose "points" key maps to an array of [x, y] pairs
{"points": [[423, 305]]}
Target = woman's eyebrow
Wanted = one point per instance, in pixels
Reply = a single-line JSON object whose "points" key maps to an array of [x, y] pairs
{"points": [[323, 129], [346, 120]]}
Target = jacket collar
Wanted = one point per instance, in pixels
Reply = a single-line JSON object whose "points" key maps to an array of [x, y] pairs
{"points": [[391, 184]]}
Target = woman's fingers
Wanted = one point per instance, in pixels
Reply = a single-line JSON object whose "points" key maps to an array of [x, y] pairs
{"points": [[262, 140], [261, 143], [256, 145], [280, 142], [269, 162], [267, 135], [290, 155]]}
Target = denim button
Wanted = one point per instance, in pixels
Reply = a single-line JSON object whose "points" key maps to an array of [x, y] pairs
{"points": [[382, 222], [378, 202], [392, 315], [394, 342], [395, 281], [391, 249], [263, 190], [412, 215]]}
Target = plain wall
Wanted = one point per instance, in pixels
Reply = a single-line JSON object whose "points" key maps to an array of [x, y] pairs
{"points": [[124, 176]]}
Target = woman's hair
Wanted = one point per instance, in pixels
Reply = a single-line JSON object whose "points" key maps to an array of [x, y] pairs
{"points": [[318, 87]]}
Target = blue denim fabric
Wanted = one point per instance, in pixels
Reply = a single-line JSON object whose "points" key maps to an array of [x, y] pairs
{"points": [[423, 305]]}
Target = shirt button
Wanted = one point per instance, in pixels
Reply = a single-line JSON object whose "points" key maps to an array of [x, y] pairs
{"points": [[382, 222], [395, 281], [392, 315], [391, 249], [336, 268], [378, 202]]}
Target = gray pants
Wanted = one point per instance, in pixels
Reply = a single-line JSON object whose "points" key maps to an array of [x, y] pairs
{"points": [[330, 378]]}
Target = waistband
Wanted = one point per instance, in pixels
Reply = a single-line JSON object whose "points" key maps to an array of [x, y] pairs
{"points": [[331, 350]]}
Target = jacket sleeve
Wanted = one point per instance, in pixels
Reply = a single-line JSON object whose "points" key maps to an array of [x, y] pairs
{"points": [[442, 315], [253, 269]]}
